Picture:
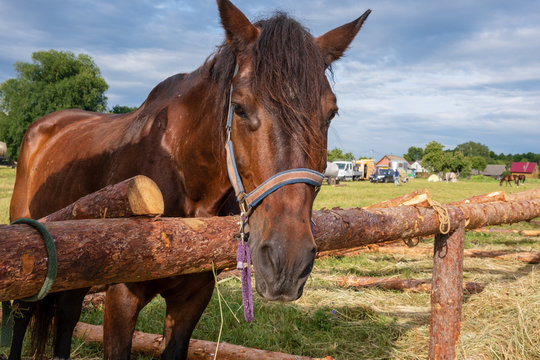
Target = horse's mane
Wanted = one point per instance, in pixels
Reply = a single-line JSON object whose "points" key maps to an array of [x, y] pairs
{"points": [[289, 72]]}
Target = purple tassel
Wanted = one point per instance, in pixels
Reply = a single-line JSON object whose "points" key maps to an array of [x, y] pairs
{"points": [[243, 263]]}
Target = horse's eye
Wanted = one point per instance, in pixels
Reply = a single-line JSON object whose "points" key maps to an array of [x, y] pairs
{"points": [[330, 117], [239, 110]]}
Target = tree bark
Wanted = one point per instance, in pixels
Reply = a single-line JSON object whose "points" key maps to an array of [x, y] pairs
{"points": [[103, 251], [151, 344], [138, 195]]}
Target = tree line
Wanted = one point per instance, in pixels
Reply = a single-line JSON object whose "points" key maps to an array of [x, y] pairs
{"points": [[54, 80], [464, 157]]}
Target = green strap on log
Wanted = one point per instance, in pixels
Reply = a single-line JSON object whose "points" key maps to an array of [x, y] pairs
{"points": [[52, 267]]}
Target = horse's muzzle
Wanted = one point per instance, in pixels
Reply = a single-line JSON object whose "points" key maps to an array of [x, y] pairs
{"points": [[282, 266]]}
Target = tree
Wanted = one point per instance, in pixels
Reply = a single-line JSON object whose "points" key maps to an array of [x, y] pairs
{"points": [[472, 148], [414, 154], [478, 163], [118, 109], [337, 154], [55, 80], [434, 157]]}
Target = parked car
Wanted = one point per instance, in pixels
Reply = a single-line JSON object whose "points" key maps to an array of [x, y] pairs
{"points": [[382, 176]]}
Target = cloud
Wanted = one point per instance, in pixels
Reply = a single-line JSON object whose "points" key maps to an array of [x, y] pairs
{"points": [[418, 71]]}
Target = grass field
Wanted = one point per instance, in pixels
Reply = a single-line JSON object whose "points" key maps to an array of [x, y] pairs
{"points": [[502, 322]]}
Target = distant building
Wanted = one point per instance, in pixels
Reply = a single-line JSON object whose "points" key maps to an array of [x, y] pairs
{"points": [[493, 171], [417, 167], [393, 162], [529, 169]]}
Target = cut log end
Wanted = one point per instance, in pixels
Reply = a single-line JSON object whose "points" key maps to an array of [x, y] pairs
{"points": [[144, 196]]}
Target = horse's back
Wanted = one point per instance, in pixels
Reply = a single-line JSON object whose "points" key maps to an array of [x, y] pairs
{"points": [[70, 153], [50, 147]]}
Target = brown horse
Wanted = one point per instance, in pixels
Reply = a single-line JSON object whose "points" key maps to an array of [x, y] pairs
{"points": [[509, 179], [283, 105]]}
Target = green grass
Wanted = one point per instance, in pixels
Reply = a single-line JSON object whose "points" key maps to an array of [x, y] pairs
{"points": [[499, 323], [362, 193], [7, 180]]}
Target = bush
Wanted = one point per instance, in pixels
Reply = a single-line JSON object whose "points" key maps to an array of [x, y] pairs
{"points": [[481, 178]]}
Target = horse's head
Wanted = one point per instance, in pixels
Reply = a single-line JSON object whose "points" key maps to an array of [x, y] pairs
{"points": [[283, 105]]}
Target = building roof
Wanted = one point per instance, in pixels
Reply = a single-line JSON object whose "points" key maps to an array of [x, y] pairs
{"points": [[392, 158], [396, 158], [523, 167], [494, 170]]}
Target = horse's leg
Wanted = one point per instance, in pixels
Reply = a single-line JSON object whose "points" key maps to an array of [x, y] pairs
{"points": [[185, 305], [67, 313], [123, 303], [21, 319]]}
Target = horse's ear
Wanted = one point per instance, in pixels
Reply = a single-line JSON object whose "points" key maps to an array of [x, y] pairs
{"points": [[240, 32], [334, 43]]}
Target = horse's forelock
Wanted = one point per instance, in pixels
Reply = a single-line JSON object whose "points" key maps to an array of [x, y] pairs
{"points": [[288, 74]]}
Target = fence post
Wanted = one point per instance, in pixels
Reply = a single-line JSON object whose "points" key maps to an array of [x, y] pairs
{"points": [[446, 294]]}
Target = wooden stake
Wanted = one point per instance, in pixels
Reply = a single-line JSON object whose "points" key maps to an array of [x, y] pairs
{"points": [[446, 294]]}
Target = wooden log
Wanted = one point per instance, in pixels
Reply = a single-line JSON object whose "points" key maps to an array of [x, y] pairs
{"points": [[492, 230], [418, 198], [525, 256], [138, 195], [525, 195], [152, 344], [409, 285], [104, 251], [446, 294], [484, 198], [508, 231], [530, 232]]}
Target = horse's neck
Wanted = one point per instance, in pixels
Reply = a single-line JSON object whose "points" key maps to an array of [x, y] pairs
{"points": [[199, 153]]}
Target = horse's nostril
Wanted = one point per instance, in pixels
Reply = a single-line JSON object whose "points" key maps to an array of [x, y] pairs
{"points": [[269, 256], [307, 270]]}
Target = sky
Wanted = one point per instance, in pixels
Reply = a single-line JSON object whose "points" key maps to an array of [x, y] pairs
{"points": [[418, 71]]}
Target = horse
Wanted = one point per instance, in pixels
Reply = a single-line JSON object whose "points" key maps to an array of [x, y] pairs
{"points": [[521, 178], [265, 90], [509, 179], [450, 177]]}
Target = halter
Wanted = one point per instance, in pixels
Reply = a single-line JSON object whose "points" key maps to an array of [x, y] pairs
{"points": [[248, 202]]}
